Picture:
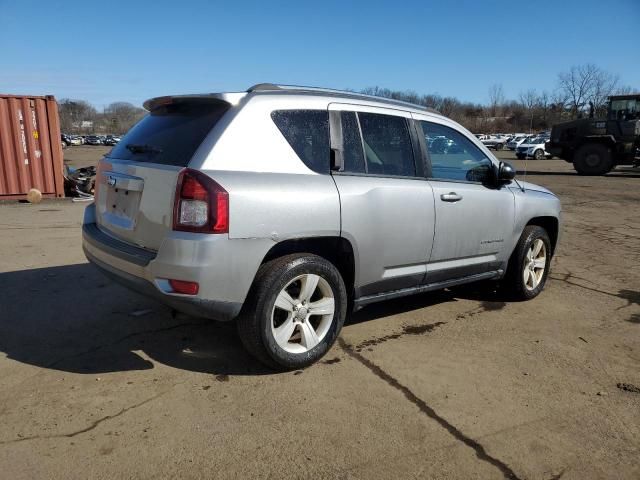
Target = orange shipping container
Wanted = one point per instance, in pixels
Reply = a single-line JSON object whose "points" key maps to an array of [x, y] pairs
{"points": [[30, 147]]}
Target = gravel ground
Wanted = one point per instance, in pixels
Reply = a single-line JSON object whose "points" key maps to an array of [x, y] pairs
{"points": [[98, 382]]}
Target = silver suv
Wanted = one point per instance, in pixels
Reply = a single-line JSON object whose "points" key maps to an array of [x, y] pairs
{"points": [[284, 208]]}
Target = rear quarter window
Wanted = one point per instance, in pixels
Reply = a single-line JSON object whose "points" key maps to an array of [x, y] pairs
{"points": [[307, 131], [170, 134]]}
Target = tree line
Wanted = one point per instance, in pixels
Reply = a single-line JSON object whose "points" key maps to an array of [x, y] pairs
{"points": [[577, 91], [79, 117]]}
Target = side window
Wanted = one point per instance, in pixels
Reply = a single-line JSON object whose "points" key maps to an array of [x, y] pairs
{"points": [[387, 145], [453, 156], [352, 144], [307, 131]]}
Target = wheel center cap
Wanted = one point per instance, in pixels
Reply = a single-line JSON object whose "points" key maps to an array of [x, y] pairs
{"points": [[300, 311]]}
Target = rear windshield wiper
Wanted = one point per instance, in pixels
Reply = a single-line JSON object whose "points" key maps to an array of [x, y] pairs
{"points": [[133, 148]]}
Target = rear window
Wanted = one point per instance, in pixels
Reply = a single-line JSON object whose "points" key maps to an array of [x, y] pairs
{"points": [[169, 134], [307, 131]]}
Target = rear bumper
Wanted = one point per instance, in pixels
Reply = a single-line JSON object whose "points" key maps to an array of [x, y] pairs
{"points": [[223, 268], [195, 306]]}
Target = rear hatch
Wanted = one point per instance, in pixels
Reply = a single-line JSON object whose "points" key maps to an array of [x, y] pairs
{"points": [[136, 181]]}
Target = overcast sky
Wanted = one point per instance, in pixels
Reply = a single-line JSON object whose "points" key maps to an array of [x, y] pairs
{"points": [[133, 50]]}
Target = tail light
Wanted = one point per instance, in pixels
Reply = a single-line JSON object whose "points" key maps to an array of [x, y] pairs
{"points": [[201, 205]]}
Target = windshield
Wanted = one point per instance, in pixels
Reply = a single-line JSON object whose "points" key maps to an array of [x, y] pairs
{"points": [[624, 108]]}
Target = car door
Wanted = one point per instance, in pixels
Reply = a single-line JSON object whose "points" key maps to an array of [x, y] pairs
{"points": [[474, 217], [387, 206]]}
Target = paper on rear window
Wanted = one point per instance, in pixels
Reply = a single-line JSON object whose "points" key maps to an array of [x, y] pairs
{"points": [[171, 133]]}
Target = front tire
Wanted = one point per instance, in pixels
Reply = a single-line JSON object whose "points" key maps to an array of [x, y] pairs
{"points": [[294, 312], [593, 159], [529, 264]]}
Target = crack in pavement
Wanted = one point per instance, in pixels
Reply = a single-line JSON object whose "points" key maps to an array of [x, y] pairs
{"points": [[91, 426], [480, 451]]}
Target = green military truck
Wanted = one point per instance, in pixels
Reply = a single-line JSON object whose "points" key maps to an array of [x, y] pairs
{"points": [[596, 145]]}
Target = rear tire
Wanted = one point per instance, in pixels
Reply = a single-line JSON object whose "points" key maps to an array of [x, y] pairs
{"points": [[538, 154], [529, 264], [593, 159], [278, 325], [499, 146]]}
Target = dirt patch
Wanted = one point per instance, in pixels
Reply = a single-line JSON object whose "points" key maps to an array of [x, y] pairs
{"points": [[331, 361], [420, 329], [628, 387], [406, 330]]}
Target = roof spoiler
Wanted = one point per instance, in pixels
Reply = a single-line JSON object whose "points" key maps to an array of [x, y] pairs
{"points": [[153, 103]]}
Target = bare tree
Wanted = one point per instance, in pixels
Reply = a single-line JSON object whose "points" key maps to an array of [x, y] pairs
{"points": [[576, 84], [587, 83], [543, 102], [528, 100], [604, 85], [496, 99], [121, 116], [626, 90], [73, 113]]}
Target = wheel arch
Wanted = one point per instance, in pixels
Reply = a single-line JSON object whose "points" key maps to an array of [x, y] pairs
{"points": [[337, 250], [551, 225]]}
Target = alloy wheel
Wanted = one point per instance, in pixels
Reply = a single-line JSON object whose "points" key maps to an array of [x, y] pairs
{"points": [[303, 313], [535, 263]]}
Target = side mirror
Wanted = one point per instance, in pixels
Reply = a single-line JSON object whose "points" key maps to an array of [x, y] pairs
{"points": [[506, 173]]}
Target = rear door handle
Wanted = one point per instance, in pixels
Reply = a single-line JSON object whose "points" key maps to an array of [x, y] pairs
{"points": [[450, 197]]}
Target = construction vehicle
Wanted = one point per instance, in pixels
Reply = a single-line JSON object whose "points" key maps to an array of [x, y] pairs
{"points": [[596, 145]]}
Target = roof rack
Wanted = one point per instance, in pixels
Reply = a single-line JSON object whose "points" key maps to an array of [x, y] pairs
{"points": [[270, 87]]}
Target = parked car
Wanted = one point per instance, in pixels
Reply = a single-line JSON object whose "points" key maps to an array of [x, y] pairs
{"points": [[496, 142], [304, 205], [93, 140], [76, 140], [66, 139], [533, 148], [111, 140], [516, 141]]}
